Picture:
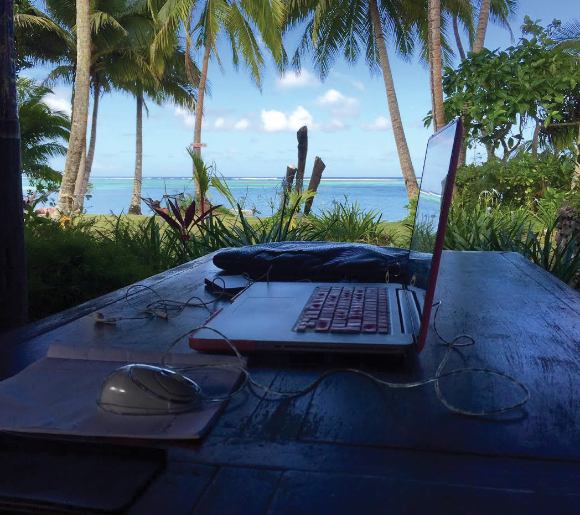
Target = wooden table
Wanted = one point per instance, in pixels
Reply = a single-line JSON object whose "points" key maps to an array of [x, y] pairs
{"points": [[350, 447]]}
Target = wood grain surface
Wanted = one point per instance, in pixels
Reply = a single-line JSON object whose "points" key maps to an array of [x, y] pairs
{"points": [[353, 447]]}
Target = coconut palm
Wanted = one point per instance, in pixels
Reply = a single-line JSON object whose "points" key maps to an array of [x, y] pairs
{"points": [[42, 131], [32, 25], [352, 26], [78, 134], [239, 22], [568, 37], [166, 82], [118, 31], [434, 17]]}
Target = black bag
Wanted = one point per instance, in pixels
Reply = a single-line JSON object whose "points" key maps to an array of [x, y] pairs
{"points": [[295, 260]]}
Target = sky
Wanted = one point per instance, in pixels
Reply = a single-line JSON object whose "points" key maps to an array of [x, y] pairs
{"points": [[252, 133]]}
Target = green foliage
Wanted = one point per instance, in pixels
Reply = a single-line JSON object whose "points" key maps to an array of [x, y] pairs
{"points": [[487, 228], [520, 181], [70, 265], [482, 227], [219, 233], [348, 222], [500, 92], [147, 239], [239, 23], [42, 132]]}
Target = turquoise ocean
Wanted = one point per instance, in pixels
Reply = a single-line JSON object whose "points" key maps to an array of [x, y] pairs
{"points": [[386, 195]]}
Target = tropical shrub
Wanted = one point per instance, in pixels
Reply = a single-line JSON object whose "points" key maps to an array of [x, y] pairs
{"points": [[520, 181], [487, 228], [68, 263], [348, 222]]}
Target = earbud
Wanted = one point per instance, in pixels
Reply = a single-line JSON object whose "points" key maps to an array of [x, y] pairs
{"points": [[100, 318]]}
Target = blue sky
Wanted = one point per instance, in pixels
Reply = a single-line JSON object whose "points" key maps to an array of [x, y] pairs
{"points": [[253, 134]]}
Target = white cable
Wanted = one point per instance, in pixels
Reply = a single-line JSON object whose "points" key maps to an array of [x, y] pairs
{"points": [[167, 305]]}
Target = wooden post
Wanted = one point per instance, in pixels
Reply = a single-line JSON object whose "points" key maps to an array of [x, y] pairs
{"points": [[302, 136], [287, 184], [317, 170], [289, 180], [13, 291]]}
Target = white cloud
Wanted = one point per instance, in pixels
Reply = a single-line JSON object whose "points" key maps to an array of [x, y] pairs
{"points": [[297, 80], [230, 124], [242, 125], [333, 126], [277, 121], [340, 105], [57, 103], [186, 116], [274, 121], [379, 124], [350, 80]]}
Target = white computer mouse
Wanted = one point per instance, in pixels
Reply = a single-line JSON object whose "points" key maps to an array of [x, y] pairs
{"points": [[148, 390]]}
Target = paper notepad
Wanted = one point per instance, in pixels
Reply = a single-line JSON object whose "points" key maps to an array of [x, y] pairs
{"points": [[58, 395]]}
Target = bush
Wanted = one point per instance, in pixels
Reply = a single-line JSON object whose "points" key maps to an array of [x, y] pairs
{"points": [[70, 265], [521, 181], [487, 228], [348, 222]]}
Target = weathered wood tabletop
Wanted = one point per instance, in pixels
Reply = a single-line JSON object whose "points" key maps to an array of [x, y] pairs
{"points": [[352, 447]]}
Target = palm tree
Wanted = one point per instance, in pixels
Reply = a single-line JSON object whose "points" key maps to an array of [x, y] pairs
{"points": [[31, 25], [167, 83], [348, 26], [568, 36], [237, 21], [434, 17], [118, 30], [41, 132], [78, 133]]}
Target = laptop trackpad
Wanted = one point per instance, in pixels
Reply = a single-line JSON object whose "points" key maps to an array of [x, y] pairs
{"points": [[255, 305]]}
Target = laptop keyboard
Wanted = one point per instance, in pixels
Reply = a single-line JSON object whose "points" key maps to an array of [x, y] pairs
{"points": [[350, 309]]}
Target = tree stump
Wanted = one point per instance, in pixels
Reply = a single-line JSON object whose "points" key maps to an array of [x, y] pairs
{"points": [[287, 183], [302, 136], [317, 170]]}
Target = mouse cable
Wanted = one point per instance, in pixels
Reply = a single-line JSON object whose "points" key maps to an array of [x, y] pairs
{"points": [[439, 374]]}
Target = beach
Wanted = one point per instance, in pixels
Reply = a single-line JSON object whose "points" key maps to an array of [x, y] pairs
{"points": [[112, 195]]}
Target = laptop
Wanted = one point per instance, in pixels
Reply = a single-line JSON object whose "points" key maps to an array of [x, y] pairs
{"points": [[351, 317]]}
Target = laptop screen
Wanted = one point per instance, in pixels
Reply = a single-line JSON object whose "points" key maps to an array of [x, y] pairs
{"points": [[433, 181]]}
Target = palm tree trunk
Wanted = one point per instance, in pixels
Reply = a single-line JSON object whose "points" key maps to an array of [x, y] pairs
{"points": [[434, 20], [135, 207], [81, 107], [481, 26], [398, 131], [13, 291], [536, 139], [77, 201], [82, 182], [199, 109], [458, 38]]}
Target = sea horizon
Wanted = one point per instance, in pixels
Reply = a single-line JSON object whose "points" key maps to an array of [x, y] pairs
{"points": [[385, 195]]}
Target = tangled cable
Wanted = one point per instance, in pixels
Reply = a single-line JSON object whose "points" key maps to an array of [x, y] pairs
{"points": [[451, 345], [169, 309]]}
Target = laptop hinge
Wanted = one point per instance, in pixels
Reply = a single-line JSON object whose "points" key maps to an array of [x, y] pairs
{"points": [[410, 311]]}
